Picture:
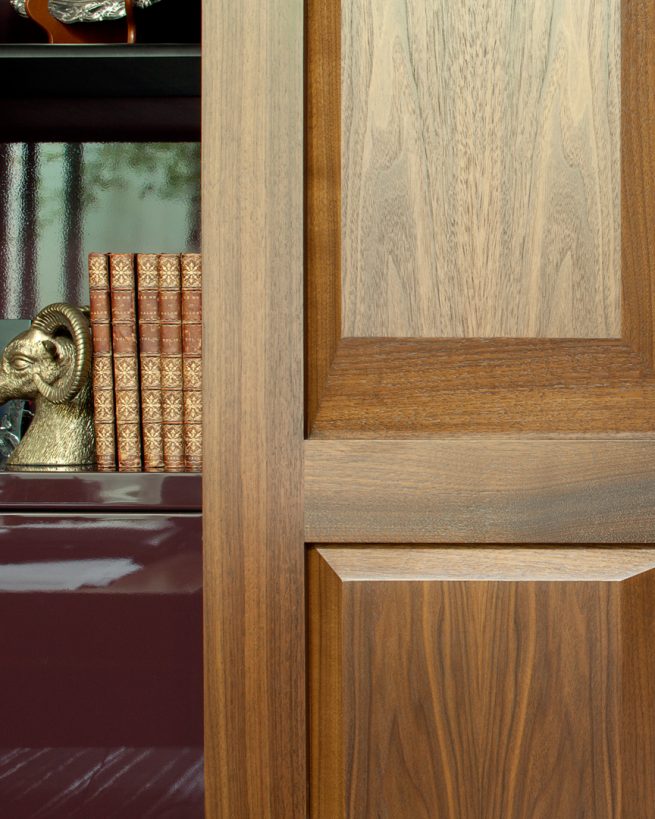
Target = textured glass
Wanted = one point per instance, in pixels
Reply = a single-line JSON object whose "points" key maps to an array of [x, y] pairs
{"points": [[85, 11], [14, 419], [61, 201]]}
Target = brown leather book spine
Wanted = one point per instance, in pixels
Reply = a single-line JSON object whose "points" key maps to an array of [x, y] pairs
{"points": [[192, 359], [147, 276], [126, 366], [104, 418], [172, 405]]}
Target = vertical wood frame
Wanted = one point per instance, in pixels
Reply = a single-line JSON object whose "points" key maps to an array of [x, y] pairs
{"points": [[399, 387], [255, 752]]}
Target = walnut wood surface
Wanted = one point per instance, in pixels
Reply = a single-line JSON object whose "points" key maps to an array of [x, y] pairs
{"points": [[504, 698], [480, 169], [637, 175], [486, 490], [252, 344], [403, 387]]}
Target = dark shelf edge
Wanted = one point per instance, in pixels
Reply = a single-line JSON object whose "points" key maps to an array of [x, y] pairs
{"points": [[75, 119], [138, 50], [101, 71], [100, 491]]}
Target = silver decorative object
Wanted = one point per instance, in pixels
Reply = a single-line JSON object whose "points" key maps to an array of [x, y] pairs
{"points": [[85, 11], [51, 364]]}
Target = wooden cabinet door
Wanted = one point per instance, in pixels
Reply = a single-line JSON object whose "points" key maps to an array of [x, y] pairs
{"points": [[429, 229]]}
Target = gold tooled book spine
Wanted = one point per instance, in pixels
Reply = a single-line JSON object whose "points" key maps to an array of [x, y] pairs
{"points": [[170, 316], [126, 366], [191, 264], [147, 275], [104, 415]]}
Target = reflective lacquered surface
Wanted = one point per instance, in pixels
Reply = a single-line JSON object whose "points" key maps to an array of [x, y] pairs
{"points": [[100, 665], [61, 201], [135, 491], [101, 783]]}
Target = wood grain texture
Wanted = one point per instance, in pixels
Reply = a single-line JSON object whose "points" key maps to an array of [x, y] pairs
{"points": [[402, 388], [378, 564], [464, 698], [255, 759], [480, 169], [637, 175], [322, 196], [405, 387], [485, 490]]}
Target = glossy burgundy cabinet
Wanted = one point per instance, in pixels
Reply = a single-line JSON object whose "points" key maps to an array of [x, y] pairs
{"points": [[101, 647]]}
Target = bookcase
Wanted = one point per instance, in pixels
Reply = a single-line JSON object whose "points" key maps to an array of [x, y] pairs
{"points": [[100, 574]]}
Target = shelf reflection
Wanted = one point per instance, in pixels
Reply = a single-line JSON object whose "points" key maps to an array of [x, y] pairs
{"points": [[101, 648]]}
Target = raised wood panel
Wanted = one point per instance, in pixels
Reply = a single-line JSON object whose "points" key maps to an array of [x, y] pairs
{"points": [[255, 746], [404, 387], [485, 490], [507, 691], [480, 157]]}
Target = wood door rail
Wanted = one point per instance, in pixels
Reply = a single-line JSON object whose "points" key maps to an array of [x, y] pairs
{"points": [[483, 490]]}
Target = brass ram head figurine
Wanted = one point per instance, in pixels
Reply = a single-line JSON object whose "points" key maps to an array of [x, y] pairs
{"points": [[51, 363]]}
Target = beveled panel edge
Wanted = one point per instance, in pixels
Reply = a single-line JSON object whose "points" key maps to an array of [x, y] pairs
{"points": [[508, 563], [481, 490]]}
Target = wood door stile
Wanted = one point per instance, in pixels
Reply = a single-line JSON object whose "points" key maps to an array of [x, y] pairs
{"points": [[252, 381]]}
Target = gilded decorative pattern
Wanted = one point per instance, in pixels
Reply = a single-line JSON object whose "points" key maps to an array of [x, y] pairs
{"points": [[193, 440], [122, 271], [104, 405], [126, 373], [147, 271], [127, 406], [98, 272], [152, 435], [171, 372], [172, 408], [151, 405], [150, 372], [153, 446], [169, 271], [129, 439], [192, 271], [193, 407], [102, 370], [173, 444], [193, 374], [105, 447]]}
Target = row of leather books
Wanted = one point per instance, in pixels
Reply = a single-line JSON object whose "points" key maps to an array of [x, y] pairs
{"points": [[146, 321]]}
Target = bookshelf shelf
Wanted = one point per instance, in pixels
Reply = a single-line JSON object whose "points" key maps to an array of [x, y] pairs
{"points": [[100, 491], [100, 93]]}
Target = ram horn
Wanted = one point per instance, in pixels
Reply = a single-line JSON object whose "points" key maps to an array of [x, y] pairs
{"points": [[50, 320]]}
